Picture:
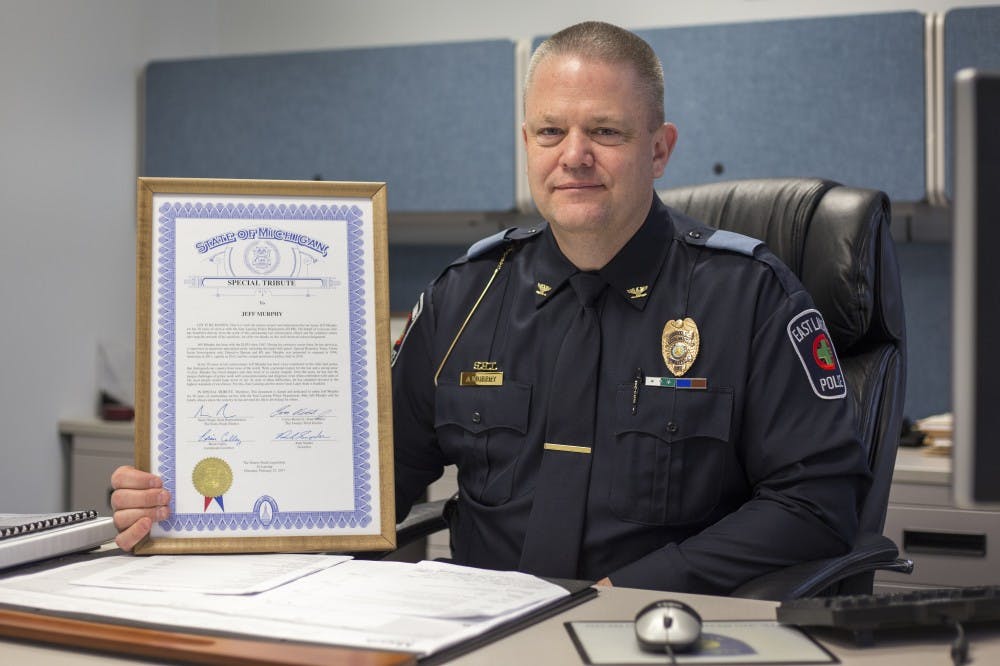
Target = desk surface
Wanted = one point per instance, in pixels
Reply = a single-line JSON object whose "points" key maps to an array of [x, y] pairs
{"points": [[548, 643]]}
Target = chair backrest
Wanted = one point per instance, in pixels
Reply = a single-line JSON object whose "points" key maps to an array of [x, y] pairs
{"points": [[836, 240]]}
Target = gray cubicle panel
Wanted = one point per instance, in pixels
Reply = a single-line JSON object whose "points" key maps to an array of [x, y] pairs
{"points": [[436, 122], [836, 97], [971, 39]]}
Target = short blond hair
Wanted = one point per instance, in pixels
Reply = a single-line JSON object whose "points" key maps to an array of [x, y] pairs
{"points": [[609, 44]]}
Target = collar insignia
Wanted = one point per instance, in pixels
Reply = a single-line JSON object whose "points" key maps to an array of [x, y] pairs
{"points": [[542, 289], [638, 292]]}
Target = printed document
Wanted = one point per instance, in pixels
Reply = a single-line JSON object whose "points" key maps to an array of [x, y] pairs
{"points": [[421, 608]]}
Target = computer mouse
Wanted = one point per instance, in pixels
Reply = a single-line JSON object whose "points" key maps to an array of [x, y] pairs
{"points": [[667, 623]]}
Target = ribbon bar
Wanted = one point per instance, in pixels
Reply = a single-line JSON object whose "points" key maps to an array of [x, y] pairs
{"points": [[678, 382]]}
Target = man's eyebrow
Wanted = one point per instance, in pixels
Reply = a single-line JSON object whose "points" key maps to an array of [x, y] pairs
{"points": [[550, 119], [613, 120]]}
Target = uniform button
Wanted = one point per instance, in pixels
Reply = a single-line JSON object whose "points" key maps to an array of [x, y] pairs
{"points": [[477, 417], [671, 427], [694, 234]]}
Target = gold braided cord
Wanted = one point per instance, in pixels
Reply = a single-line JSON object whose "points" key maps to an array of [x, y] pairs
{"points": [[479, 300]]}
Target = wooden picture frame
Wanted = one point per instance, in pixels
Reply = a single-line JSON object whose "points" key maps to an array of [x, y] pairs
{"points": [[262, 364]]}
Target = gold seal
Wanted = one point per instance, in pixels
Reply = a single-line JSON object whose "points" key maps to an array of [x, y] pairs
{"points": [[212, 477], [680, 344]]}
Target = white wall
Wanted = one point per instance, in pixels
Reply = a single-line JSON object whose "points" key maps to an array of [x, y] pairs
{"points": [[69, 108]]}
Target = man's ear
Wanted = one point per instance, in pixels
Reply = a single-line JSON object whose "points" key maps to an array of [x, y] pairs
{"points": [[664, 139]]}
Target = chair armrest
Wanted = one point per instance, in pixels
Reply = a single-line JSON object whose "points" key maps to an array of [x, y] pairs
{"points": [[424, 519], [871, 552]]}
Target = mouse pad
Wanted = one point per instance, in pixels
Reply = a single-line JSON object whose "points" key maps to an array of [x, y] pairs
{"points": [[723, 642]]}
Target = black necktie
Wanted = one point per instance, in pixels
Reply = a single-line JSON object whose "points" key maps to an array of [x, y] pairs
{"points": [[555, 526]]}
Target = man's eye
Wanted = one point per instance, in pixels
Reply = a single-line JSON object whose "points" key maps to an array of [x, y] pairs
{"points": [[608, 136], [548, 136]]}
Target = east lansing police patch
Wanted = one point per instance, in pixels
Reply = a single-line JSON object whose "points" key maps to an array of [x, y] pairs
{"points": [[812, 343]]}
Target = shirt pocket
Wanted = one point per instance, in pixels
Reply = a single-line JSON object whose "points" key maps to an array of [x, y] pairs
{"points": [[482, 429], [670, 456]]}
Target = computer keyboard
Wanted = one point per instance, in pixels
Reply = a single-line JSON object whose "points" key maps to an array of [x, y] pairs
{"points": [[864, 614]]}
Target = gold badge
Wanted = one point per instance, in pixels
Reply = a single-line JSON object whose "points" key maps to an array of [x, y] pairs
{"points": [[638, 292], [542, 289], [680, 344]]}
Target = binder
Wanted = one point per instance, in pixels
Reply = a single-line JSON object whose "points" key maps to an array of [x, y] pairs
{"points": [[18, 524], [28, 538]]}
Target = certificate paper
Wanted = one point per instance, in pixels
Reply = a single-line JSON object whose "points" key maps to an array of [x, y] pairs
{"points": [[262, 364]]}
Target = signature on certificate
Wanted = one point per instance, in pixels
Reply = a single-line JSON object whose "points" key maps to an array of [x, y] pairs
{"points": [[301, 436], [224, 411], [288, 410], [227, 437]]}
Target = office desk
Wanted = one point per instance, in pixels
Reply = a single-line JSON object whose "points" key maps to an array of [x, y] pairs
{"points": [[949, 546], [548, 642]]}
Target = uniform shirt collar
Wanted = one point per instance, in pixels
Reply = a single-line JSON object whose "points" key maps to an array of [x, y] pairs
{"points": [[552, 269], [631, 273]]}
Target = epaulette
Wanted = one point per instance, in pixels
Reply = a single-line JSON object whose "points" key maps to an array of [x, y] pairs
{"points": [[697, 233], [720, 239], [484, 245]]}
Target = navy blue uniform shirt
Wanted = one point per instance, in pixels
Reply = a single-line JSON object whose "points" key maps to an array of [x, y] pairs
{"points": [[697, 490]]}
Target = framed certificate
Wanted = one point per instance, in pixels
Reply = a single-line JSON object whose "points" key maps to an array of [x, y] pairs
{"points": [[262, 364]]}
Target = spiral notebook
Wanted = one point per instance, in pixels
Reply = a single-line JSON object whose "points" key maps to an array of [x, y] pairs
{"points": [[29, 537], [17, 524]]}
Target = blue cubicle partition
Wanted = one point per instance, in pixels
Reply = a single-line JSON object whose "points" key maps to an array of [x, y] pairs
{"points": [[838, 97], [971, 39], [436, 122]]}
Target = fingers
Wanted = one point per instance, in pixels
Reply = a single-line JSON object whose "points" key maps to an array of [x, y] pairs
{"points": [[127, 476], [138, 500], [133, 524], [132, 535]]}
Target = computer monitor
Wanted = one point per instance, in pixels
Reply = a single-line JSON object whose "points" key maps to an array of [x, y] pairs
{"points": [[976, 285]]}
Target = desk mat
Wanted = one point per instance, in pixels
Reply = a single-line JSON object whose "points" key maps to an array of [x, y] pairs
{"points": [[722, 642]]}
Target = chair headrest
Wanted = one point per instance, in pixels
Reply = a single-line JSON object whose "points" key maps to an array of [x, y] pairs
{"points": [[834, 238]]}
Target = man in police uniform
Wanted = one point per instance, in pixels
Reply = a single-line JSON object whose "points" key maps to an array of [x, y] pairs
{"points": [[682, 427]]}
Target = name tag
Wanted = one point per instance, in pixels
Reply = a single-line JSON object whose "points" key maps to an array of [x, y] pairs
{"points": [[481, 379]]}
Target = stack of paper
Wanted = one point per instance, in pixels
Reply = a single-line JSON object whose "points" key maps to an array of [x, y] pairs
{"points": [[421, 608]]}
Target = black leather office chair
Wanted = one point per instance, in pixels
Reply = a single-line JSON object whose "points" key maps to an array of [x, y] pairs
{"points": [[836, 239]]}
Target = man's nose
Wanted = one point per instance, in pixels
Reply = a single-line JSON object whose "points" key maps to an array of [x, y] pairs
{"points": [[577, 150]]}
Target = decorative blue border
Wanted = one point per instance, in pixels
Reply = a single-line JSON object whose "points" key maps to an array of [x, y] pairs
{"points": [[165, 391]]}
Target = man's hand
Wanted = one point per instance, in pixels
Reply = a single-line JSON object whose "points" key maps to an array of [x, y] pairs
{"points": [[138, 499], [606, 582]]}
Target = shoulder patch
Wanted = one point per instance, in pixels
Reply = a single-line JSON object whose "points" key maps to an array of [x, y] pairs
{"points": [[809, 337], [732, 241], [414, 314]]}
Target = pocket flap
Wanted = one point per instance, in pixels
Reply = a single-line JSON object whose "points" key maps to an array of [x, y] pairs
{"points": [[481, 408], [674, 414]]}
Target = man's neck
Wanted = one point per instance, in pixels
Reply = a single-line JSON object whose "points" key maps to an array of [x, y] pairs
{"points": [[591, 251]]}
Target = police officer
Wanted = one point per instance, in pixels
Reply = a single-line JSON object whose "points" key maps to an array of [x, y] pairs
{"points": [[628, 395]]}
